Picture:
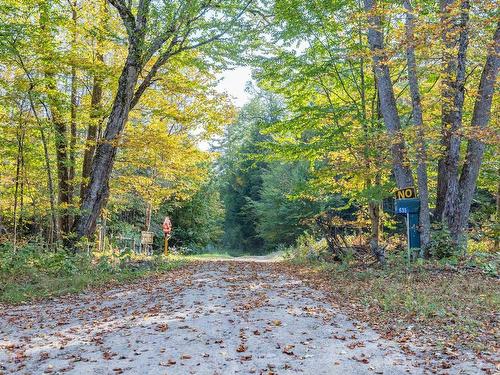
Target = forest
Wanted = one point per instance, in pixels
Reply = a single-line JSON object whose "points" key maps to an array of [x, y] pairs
{"points": [[132, 173], [110, 112]]}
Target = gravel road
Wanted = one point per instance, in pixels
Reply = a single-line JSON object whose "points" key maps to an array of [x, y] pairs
{"points": [[210, 318]]}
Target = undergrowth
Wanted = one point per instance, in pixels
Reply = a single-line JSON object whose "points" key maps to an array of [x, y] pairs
{"points": [[32, 272], [453, 299]]}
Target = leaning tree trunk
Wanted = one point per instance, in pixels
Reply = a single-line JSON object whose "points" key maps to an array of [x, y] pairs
{"points": [[102, 165], [422, 180], [480, 119], [400, 162]]}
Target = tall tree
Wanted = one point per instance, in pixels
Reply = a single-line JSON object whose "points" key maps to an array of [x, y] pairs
{"points": [[418, 121], [400, 162], [155, 33], [476, 146], [55, 106]]}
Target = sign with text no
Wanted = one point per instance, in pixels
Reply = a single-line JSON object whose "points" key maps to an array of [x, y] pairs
{"points": [[406, 193]]}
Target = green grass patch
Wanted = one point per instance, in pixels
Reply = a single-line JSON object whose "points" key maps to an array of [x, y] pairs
{"points": [[32, 273]]}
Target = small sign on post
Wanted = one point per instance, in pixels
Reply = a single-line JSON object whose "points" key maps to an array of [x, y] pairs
{"points": [[407, 204], [147, 238]]}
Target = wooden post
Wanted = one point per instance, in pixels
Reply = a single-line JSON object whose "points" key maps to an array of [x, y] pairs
{"points": [[165, 251], [147, 225], [148, 217]]}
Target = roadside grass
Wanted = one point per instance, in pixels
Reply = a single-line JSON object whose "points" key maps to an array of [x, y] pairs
{"points": [[442, 304], [31, 273]]}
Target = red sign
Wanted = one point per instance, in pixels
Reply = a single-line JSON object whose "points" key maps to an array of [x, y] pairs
{"points": [[167, 226]]}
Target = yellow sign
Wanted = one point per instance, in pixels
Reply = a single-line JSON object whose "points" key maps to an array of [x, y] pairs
{"points": [[406, 193]]}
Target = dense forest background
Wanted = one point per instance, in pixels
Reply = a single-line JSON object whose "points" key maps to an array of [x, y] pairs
{"points": [[107, 108]]}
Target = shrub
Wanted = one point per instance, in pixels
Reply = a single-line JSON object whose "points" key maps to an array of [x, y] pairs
{"points": [[441, 245], [34, 272], [308, 248]]}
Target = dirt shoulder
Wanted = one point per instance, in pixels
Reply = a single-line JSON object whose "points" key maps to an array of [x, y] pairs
{"points": [[448, 314]]}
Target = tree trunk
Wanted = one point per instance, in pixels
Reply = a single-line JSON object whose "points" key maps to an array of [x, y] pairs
{"points": [[400, 163], [496, 246], [50, 181], [74, 105], [480, 119], [60, 129], [19, 185], [453, 82], [92, 136], [102, 165], [377, 251], [96, 115], [422, 180], [61, 144], [452, 203]]}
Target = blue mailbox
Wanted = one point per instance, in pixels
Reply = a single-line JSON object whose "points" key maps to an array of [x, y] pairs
{"points": [[411, 208]]}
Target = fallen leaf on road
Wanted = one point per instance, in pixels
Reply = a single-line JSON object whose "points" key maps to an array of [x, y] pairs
{"points": [[288, 349], [242, 348], [162, 327], [362, 360]]}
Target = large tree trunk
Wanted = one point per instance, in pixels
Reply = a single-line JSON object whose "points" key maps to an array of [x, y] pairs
{"points": [[400, 162], [74, 105], [422, 180], [452, 202], [480, 119], [453, 81], [102, 165]]}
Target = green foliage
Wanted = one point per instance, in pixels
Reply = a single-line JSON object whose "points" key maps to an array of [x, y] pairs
{"points": [[441, 245], [307, 249], [241, 177], [282, 214], [32, 272], [198, 222]]}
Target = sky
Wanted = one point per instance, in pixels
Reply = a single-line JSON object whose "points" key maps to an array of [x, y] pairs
{"points": [[233, 82]]}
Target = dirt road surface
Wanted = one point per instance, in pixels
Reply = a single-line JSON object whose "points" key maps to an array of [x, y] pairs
{"points": [[208, 318]]}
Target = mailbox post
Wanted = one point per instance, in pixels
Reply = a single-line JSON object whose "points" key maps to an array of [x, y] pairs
{"points": [[411, 208]]}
